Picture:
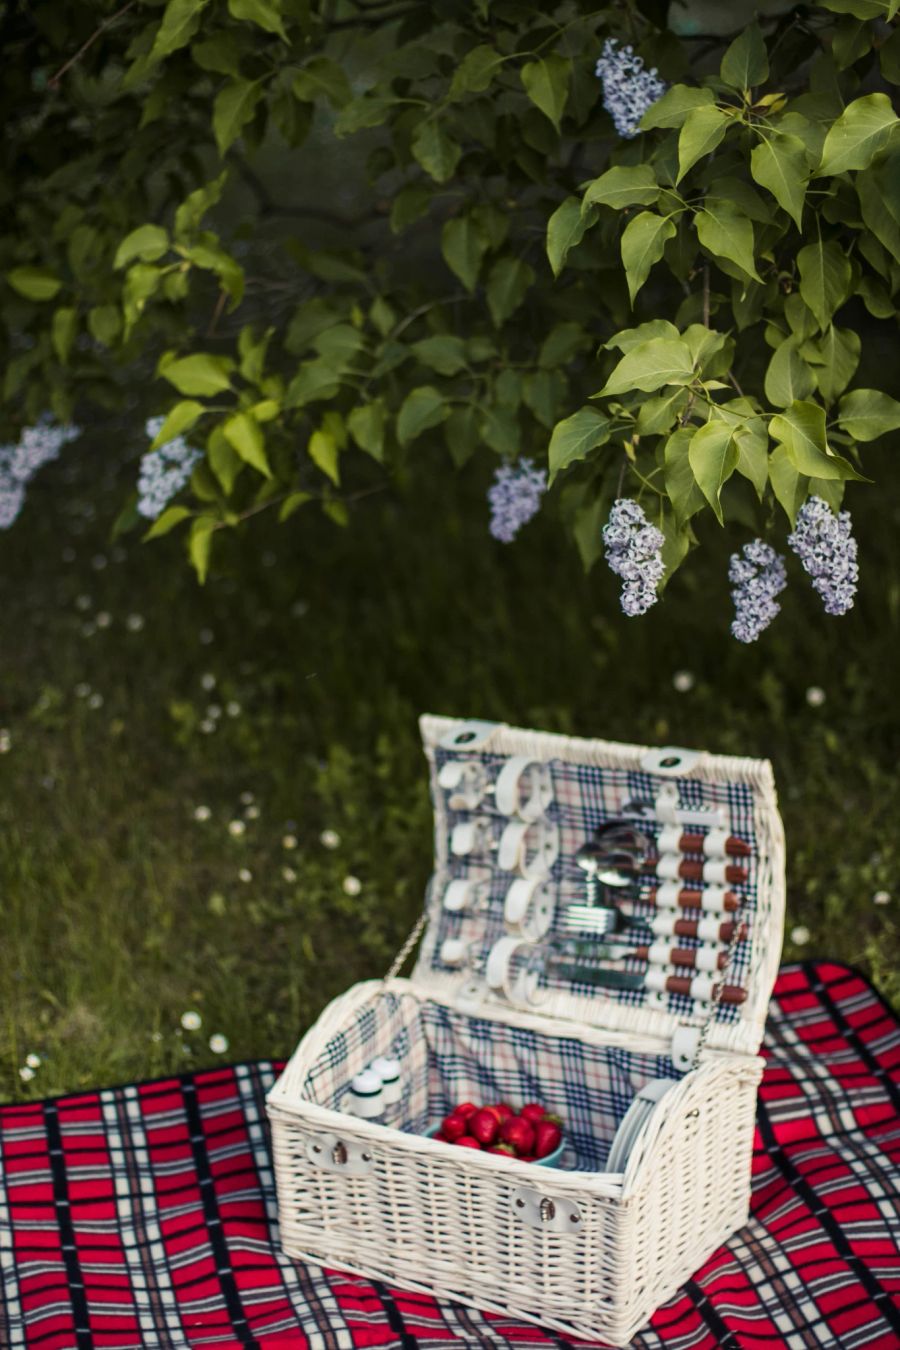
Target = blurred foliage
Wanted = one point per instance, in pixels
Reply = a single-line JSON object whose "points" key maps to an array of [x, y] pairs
{"points": [[128, 700], [321, 226]]}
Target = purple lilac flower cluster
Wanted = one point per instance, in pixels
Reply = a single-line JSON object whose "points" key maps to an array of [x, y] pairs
{"points": [[756, 578], [628, 88], [825, 545], [515, 497], [164, 471], [37, 446], [633, 552]]}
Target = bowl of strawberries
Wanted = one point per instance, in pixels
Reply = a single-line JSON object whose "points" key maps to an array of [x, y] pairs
{"points": [[532, 1134]]}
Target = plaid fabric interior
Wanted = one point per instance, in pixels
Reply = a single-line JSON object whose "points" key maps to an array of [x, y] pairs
{"points": [[450, 1057], [586, 797], [144, 1217]]}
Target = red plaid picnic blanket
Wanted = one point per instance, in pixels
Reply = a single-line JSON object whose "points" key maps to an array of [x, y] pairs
{"points": [[144, 1216]]}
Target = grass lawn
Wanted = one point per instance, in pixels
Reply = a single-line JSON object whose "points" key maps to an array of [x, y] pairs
{"points": [[133, 700]]}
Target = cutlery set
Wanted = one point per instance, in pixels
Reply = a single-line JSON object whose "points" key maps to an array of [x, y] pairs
{"points": [[599, 941]]}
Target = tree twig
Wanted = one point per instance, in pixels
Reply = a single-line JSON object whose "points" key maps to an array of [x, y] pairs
{"points": [[54, 80]]}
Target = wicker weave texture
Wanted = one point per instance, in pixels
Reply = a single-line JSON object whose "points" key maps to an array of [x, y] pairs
{"points": [[432, 1217]]}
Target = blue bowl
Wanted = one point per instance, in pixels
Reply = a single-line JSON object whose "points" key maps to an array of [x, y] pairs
{"points": [[550, 1160]]}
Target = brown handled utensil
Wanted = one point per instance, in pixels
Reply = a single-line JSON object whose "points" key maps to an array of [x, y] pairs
{"points": [[688, 898], [660, 954], [694, 843], [691, 870]]}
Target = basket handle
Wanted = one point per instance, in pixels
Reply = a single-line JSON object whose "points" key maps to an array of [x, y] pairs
{"points": [[414, 935]]}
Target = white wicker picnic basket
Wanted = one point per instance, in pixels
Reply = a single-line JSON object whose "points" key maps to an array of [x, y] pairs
{"points": [[578, 1248]]}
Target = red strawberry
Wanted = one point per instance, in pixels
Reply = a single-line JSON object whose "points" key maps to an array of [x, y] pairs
{"points": [[547, 1137], [466, 1141], [519, 1133], [453, 1127], [505, 1150], [527, 1157], [484, 1125], [465, 1109], [505, 1110], [533, 1112]]}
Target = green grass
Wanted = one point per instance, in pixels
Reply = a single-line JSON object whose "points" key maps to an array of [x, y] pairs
{"points": [[120, 910]]}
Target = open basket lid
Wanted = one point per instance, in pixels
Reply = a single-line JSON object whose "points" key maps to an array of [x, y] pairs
{"points": [[511, 810]]}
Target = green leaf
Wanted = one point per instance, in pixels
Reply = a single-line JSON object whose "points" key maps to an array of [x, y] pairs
{"points": [[544, 392], [547, 85], [788, 484], [643, 243], [623, 185], [463, 246], [681, 485], [702, 131], [779, 163], [195, 206], [507, 285], [825, 277], [323, 450], [35, 283], [322, 78], [200, 545], [801, 430], [179, 419], [788, 378], [476, 71], [409, 205], [223, 459], [659, 414], [875, 211], [147, 242], [649, 366], [141, 282], [371, 111], [179, 24], [713, 458], [746, 62], [866, 414], [575, 437], [861, 131], [220, 53], [834, 358], [264, 13], [626, 338], [201, 374], [461, 433], [62, 332], [422, 409], [104, 323], [245, 435], [562, 343], [725, 232], [565, 229], [252, 350], [366, 425], [499, 429], [314, 380], [292, 503], [675, 105], [233, 107], [172, 516], [437, 152], [752, 441], [445, 353], [889, 58]]}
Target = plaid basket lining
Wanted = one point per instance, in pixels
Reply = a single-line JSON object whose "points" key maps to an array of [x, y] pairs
{"points": [[450, 1057]]}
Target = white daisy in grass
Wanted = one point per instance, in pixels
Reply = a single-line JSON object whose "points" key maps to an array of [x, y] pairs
{"points": [[218, 1043], [202, 813], [247, 799], [683, 681], [103, 619], [33, 1061], [815, 696], [236, 828], [95, 701], [26, 1073], [84, 603], [289, 841], [191, 1020], [245, 874], [233, 708], [881, 898], [800, 935], [208, 681], [289, 874], [134, 623], [5, 741], [330, 839], [251, 812], [351, 885]]}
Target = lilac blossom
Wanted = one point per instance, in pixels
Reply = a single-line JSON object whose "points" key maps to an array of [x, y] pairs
{"points": [[515, 497], [823, 542], [628, 88], [37, 446], [756, 578], [633, 552], [163, 472]]}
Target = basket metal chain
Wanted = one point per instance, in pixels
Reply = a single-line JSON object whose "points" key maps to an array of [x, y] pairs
{"points": [[397, 963], [716, 991]]}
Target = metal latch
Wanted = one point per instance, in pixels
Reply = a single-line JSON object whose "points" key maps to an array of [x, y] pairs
{"points": [[340, 1155], [685, 1044], [540, 1211]]}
